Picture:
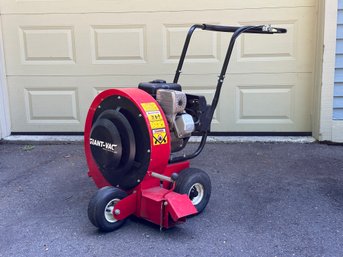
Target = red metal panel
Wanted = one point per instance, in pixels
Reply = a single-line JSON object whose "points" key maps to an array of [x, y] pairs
{"points": [[179, 206], [157, 201], [126, 206], [151, 204]]}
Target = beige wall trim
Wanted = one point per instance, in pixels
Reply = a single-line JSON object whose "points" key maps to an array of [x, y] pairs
{"points": [[318, 67], [328, 72], [5, 127]]}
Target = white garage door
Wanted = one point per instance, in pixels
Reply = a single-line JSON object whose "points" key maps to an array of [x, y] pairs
{"points": [[60, 54]]}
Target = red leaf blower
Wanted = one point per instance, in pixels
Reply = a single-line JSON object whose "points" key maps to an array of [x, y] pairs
{"points": [[131, 140]]}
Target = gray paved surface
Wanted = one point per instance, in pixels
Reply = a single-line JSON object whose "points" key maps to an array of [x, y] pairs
{"points": [[267, 200]]}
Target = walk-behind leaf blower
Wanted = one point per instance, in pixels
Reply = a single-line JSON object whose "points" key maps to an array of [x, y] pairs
{"points": [[132, 136]]}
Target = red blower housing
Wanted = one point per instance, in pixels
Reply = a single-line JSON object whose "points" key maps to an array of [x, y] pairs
{"points": [[127, 145]]}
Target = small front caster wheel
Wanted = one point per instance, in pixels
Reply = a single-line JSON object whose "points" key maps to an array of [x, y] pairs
{"points": [[101, 206], [196, 184]]}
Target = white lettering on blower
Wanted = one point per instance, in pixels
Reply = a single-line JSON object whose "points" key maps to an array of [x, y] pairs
{"points": [[104, 145]]}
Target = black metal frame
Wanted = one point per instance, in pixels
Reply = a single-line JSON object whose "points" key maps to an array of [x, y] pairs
{"points": [[237, 31]]}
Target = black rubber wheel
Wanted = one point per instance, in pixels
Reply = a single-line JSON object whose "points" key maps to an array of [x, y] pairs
{"points": [[101, 206], [196, 184]]}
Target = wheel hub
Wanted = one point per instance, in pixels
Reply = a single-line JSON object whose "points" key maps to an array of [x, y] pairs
{"points": [[193, 193], [108, 212], [196, 193]]}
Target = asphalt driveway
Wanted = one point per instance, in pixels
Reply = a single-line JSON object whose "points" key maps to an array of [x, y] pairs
{"points": [[267, 200]]}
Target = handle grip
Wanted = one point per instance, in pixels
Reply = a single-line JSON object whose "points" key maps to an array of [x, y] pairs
{"points": [[161, 177]]}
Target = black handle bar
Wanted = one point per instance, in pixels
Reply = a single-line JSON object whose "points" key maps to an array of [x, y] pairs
{"points": [[264, 29]]}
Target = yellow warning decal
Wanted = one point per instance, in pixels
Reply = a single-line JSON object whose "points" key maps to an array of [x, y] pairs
{"points": [[159, 136], [155, 119], [154, 115], [148, 107]]}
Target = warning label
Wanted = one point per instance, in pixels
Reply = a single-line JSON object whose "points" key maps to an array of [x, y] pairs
{"points": [[155, 119], [156, 123], [160, 136], [148, 107], [154, 115]]}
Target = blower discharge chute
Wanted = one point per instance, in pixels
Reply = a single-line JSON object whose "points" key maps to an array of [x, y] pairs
{"points": [[131, 137]]}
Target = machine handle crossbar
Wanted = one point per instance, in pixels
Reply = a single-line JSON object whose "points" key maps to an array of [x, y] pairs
{"points": [[266, 29], [262, 29], [237, 31]]}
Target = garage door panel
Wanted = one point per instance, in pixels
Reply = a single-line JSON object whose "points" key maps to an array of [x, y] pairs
{"points": [[57, 63], [46, 104], [106, 44], [279, 102], [87, 6], [118, 44], [40, 103], [274, 104], [47, 45]]}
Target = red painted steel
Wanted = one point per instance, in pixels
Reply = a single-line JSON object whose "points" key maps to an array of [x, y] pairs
{"points": [[126, 206], [179, 206]]}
